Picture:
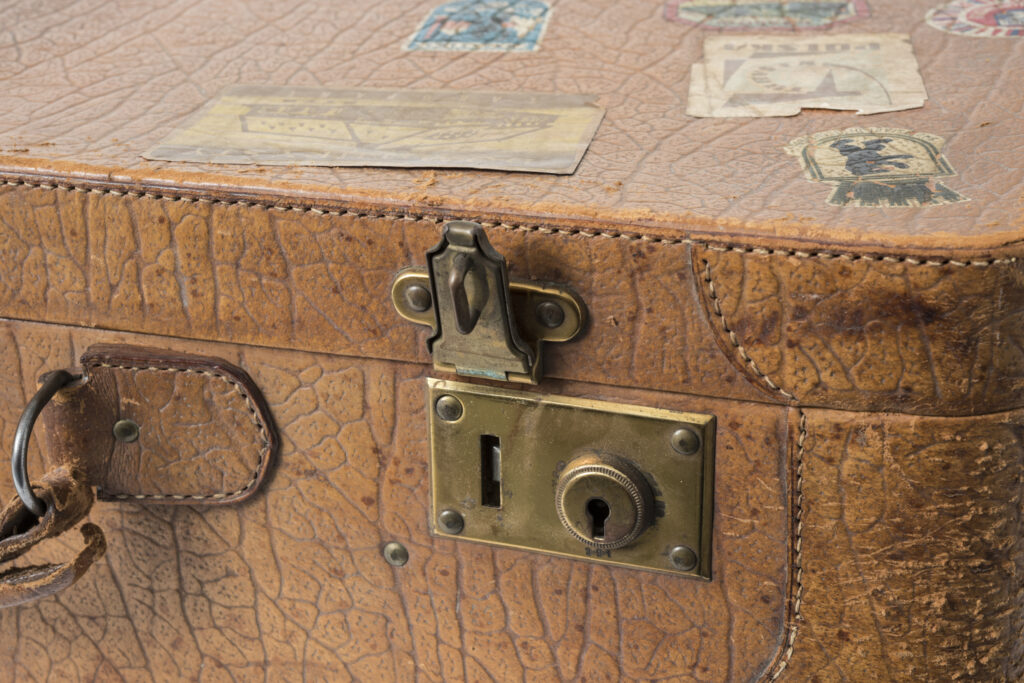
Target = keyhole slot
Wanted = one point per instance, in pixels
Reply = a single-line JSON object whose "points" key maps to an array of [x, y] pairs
{"points": [[597, 511]]}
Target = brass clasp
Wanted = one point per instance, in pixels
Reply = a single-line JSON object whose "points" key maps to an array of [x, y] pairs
{"points": [[484, 324]]}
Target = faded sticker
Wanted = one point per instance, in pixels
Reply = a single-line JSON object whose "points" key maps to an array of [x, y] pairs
{"points": [[778, 76], [495, 25], [881, 167], [748, 15], [544, 133], [984, 18]]}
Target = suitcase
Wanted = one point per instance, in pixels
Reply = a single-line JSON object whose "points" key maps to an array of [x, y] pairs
{"points": [[739, 399]]}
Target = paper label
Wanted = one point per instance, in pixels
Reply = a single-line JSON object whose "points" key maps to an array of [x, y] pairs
{"points": [[543, 133], [487, 25], [760, 15], [877, 167], [778, 76], [980, 18]]}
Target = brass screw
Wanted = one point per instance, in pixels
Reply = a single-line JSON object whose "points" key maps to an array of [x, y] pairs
{"points": [[683, 558], [450, 522], [448, 408], [418, 298], [550, 314], [685, 441], [126, 431], [395, 554]]}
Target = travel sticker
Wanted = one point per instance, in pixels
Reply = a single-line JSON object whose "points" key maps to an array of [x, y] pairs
{"points": [[880, 167], [286, 125], [748, 15], [981, 18], [490, 25], [757, 75]]}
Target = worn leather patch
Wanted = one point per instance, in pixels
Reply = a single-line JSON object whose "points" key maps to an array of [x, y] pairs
{"points": [[68, 499], [205, 434]]}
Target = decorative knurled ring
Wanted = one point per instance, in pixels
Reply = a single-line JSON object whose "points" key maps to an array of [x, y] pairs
{"points": [[52, 383]]}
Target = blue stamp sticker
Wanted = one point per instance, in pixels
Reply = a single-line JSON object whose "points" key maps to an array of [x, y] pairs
{"points": [[491, 25], [772, 15]]}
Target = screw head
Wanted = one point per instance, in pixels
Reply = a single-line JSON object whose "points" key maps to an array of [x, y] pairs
{"points": [[418, 298], [685, 441], [550, 314], [126, 431], [450, 522], [448, 408], [395, 554], [683, 558]]}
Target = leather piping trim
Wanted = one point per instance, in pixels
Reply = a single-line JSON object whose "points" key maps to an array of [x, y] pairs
{"points": [[271, 206], [716, 308], [796, 588], [262, 455]]}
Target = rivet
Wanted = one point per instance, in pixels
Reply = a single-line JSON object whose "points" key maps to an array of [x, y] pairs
{"points": [[418, 298], [448, 408], [550, 314], [683, 558], [450, 522], [126, 431], [685, 441], [395, 554]]}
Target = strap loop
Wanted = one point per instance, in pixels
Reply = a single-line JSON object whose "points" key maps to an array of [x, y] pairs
{"points": [[52, 383]]}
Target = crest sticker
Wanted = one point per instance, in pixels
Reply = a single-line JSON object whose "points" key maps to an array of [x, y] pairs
{"points": [[740, 15], [880, 167], [488, 25], [980, 18]]}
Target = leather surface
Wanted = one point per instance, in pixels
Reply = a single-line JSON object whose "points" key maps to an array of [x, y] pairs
{"points": [[322, 282], [90, 85], [205, 433], [825, 329], [866, 334], [292, 582], [913, 540]]}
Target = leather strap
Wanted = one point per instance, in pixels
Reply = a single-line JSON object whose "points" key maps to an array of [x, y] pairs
{"points": [[205, 433], [68, 499], [200, 433]]}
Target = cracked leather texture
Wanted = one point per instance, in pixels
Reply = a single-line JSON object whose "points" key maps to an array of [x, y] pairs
{"points": [[868, 334], [913, 542], [88, 86], [247, 274], [292, 582], [205, 434]]}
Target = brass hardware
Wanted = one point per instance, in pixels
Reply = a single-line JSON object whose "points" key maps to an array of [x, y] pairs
{"points": [[450, 522], [448, 408], [395, 554], [126, 431], [573, 477], [685, 441], [484, 324], [603, 501]]}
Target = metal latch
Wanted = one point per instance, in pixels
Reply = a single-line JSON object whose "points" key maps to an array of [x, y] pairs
{"points": [[484, 324]]}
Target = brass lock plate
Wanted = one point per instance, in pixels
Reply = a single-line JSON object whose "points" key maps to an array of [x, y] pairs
{"points": [[612, 483]]}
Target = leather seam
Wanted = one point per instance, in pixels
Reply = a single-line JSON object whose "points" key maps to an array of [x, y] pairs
{"points": [[261, 456], [797, 556], [825, 255], [716, 308]]}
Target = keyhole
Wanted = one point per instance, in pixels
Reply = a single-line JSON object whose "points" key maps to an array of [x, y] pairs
{"points": [[598, 511]]}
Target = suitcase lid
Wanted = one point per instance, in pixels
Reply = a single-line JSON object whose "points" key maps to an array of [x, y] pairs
{"points": [[87, 91]]}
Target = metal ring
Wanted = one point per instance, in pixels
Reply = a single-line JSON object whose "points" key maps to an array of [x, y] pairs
{"points": [[52, 383]]}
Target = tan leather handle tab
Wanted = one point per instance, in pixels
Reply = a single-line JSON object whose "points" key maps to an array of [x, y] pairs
{"points": [[193, 429], [68, 499]]}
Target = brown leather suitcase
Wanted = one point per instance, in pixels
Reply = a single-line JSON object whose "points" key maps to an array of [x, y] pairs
{"points": [[783, 353]]}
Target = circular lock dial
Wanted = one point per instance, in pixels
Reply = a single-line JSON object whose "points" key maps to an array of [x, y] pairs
{"points": [[604, 501]]}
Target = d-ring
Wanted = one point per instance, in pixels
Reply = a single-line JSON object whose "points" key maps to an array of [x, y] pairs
{"points": [[52, 383]]}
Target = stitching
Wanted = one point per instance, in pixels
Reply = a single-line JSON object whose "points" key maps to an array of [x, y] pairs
{"points": [[716, 308], [253, 413], [798, 569], [610, 234]]}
